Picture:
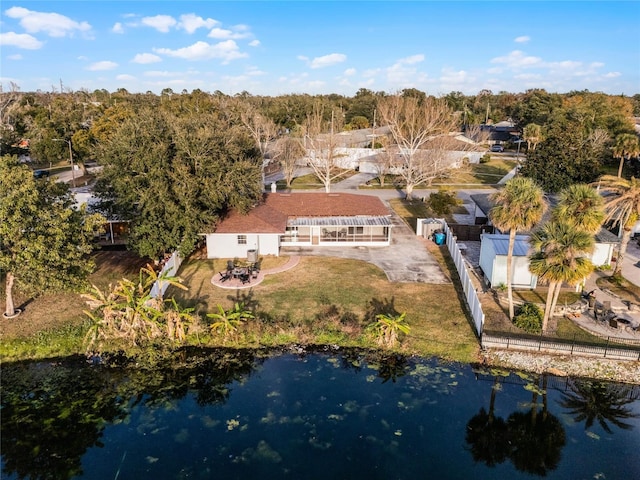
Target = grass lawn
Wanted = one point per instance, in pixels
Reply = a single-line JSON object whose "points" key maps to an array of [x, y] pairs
{"points": [[326, 300], [482, 174], [311, 182]]}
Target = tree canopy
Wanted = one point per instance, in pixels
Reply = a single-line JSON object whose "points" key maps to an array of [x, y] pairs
{"points": [[172, 176], [44, 240]]}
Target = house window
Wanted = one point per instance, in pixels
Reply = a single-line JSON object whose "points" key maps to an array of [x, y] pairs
{"points": [[356, 230], [242, 239]]}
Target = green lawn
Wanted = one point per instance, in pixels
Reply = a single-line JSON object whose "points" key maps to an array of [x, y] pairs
{"points": [[327, 300]]}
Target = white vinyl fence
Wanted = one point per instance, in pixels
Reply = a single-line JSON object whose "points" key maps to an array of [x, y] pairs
{"points": [[470, 293], [170, 268]]}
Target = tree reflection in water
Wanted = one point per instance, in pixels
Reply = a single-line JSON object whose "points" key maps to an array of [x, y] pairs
{"points": [[53, 413], [589, 401], [346, 413]]}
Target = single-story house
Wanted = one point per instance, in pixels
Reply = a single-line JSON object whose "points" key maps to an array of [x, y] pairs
{"points": [[606, 242], [493, 261], [301, 219]]}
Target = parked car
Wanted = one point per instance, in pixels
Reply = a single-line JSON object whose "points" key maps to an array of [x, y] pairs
{"points": [[497, 148], [41, 174]]}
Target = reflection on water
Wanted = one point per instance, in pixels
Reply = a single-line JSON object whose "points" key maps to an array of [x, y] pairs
{"points": [[343, 414]]}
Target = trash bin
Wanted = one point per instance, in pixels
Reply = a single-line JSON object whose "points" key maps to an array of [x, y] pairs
{"points": [[252, 256], [439, 238]]}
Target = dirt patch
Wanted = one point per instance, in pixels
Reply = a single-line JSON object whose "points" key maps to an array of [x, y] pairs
{"points": [[55, 310]]}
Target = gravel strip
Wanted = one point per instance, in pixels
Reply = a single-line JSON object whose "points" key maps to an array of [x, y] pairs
{"points": [[565, 365]]}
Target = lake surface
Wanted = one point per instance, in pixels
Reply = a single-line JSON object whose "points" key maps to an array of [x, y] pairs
{"points": [[321, 415]]}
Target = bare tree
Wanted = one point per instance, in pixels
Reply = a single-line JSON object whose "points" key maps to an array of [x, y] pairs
{"points": [[477, 134], [320, 143], [420, 128], [385, 159], [287, 151], [262, 129]]}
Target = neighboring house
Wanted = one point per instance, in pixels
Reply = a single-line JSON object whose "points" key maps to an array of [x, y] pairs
{"points": [[115, 231], [493, 261], [606, 242], [499, 133], [492, 247], [301, 219]]}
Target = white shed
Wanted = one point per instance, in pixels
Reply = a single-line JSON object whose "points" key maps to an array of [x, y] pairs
{"points": [[493, 260]]}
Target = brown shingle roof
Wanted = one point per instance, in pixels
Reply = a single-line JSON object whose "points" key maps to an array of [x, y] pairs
{"points": [[271, 215]]}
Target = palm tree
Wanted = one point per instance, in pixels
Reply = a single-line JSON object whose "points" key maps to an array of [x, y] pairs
{"points": [[626, 146], [520, 205], [622, 207], [532, 133], [559, 257], [582, 206], [387, 328]]}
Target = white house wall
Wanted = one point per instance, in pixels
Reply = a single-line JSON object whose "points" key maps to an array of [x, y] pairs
{"points": [[225, 245], [602, 254], [487, 254], [522, 277]]}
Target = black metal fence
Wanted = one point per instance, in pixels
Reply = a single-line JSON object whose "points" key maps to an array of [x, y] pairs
{"points": [[607, 347]]}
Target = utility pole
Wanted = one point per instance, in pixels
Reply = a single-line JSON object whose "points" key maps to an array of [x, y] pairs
{"points": [[73, 172]]}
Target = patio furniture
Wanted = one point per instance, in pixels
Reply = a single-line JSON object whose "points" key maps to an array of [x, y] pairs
{"points": [[224, 276], [613, 323]]}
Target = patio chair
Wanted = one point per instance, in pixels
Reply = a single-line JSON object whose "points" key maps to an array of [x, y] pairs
{"points": [[244, 278], [224, 276], [230, 265], [613, 323]]}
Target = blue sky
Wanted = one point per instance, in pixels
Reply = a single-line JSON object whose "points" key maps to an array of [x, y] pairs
{"points": [[314, 47]]}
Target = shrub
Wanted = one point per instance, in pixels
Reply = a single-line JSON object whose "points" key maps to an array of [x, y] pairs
{"points": [[486, 158], [441, 202], [529, 318]]}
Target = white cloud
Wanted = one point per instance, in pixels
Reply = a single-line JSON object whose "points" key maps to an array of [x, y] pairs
{"points": [[117, 28], [162, 23], [517, 59], [450, 76], [612, 75], [522, 39], [104, 65], [145, 58], [191, 22], [254, 43], [17, 56], [328, 60], [226, 51], [349, 72], [527, 76], [125, 78], [161, 74], [20, 40], [53, 24], [411, 60], [255, 72], [225, 34], [404, 74]]}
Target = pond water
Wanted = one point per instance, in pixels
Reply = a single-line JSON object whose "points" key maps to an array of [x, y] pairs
{"points": [[312, 415]]}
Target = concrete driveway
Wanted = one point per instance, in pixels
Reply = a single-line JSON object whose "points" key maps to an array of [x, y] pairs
{"points": [[405, 260]]}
